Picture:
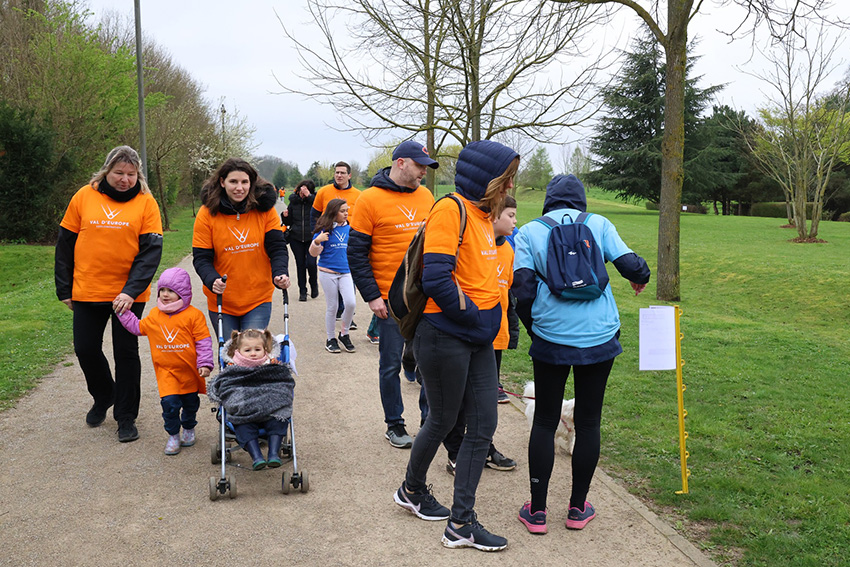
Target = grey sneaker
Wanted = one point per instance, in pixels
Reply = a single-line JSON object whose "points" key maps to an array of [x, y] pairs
{"points": [[332, 346], [451, 466], [474, 535], [398, 437], [422, 504], [346, 343]]}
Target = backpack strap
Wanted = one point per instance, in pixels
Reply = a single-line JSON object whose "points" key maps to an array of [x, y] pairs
{"points": [[462, 216]]}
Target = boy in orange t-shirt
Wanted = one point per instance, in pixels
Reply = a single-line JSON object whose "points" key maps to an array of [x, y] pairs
{"points": [[181, 349]]}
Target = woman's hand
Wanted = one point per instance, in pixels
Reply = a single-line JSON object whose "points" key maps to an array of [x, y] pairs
{"points": [[218, 286], [69, 303], [285, 213], [282, 281], [638, 287], [122, 303]]}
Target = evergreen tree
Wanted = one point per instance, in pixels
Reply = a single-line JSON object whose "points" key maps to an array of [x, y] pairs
{"points": [[627, 143], [537, 171]]}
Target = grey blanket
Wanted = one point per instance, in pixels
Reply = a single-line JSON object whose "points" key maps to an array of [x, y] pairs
{"points": [[254, 394]]}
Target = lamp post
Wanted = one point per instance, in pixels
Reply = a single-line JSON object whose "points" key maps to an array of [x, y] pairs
{"points": [[223, 112], [139, 80]]}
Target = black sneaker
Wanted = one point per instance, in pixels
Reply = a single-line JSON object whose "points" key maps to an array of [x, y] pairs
{"points": [[503, 396], [422, 504], [97, 414], [499, 462], [474, 535], [346, 343], [332, 346], [451, 466], [352, 326], [127, 431], [302, 296]]}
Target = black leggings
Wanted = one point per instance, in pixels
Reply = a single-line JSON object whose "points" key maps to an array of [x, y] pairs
{"points": [[549, 383], [89, 325], [305, 265]]}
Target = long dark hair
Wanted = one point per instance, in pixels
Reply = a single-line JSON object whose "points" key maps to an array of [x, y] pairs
{"points": [[212, 190], [326, 221]]}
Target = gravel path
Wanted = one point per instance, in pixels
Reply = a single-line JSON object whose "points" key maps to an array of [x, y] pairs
{"points": [[72, 495]]}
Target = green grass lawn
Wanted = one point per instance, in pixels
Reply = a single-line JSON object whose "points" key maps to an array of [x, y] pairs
{"points": [[35, 327], [766, 350]]}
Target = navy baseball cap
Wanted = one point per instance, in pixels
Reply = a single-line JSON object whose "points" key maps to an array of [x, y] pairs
{"points": [[415, 151]]}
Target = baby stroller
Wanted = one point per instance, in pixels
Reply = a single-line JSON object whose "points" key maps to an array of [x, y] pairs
{"points": [[219, 391]]}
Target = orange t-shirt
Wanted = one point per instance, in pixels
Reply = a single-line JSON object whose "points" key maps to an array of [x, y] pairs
{"points": [[239, 251], [391, 218], [107, 241], [328, 192], [172, 339], [505, 275], [477, 256]]}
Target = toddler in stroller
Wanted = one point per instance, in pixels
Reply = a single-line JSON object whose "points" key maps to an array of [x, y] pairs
{"points": [[256, 391]]}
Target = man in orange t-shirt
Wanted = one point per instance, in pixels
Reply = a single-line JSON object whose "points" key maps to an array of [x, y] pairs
{"points": [[383, 224], [341, 188]]}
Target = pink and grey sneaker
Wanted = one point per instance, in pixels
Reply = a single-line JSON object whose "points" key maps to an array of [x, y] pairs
{"points": [[535, 522], [187, 437], [577, 519], [172, 446]]}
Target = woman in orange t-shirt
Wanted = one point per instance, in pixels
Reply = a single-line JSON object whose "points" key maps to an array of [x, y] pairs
{"points": [[108, 250], [454, 340], [237, 233]]}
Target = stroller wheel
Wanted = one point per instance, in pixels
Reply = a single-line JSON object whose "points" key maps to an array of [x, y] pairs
{"points": [[286, 483], [213, 488], [305, 482], [232, 490], [215, 454]]}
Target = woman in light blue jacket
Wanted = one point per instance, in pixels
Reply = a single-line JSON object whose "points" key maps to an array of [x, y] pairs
{"points": [[565, 334]]}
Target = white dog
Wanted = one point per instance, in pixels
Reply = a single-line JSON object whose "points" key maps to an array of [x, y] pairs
{"points": [[565, 435]]}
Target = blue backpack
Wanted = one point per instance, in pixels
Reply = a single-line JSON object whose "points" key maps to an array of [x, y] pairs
{"points": [[575, 268]]}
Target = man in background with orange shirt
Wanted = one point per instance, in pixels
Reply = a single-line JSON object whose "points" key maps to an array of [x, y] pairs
{"points": [[384, 221]]}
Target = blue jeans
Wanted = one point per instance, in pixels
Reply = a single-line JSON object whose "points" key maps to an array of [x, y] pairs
{"points": [[389, 368], [457, 376], [171, 411], [256, 318]]}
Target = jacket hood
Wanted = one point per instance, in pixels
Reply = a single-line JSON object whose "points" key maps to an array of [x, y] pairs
{"points": [[478, 164], [382, 180], [565, 192], [177, 279]]}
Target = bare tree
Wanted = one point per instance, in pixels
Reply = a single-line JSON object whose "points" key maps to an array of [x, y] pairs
{"points": [[803, 132], [454, 69], [671, 32]]}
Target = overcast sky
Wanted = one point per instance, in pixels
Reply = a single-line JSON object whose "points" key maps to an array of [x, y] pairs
{"points": [[233, 48]]}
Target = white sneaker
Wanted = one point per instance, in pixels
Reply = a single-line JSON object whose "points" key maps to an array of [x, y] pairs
{"points": [[172, 446], [187, 437]]}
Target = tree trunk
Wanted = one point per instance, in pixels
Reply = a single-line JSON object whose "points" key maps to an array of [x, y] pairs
{"points": [[430, 105], [789, 209], [166, 224], [672, 154]]}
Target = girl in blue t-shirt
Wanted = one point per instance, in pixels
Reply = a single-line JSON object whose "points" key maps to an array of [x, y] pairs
{"points": [[330, 244]]}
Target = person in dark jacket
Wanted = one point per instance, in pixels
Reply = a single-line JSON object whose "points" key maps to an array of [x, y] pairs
{"points": [[237, 234], [568, 334], [108, 250], [297, 218]]}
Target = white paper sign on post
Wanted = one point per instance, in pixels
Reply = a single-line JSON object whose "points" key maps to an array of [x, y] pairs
{"points": [[658, 338]]}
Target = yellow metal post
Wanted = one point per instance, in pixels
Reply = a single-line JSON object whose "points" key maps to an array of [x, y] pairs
{"points": [[680, 387]]}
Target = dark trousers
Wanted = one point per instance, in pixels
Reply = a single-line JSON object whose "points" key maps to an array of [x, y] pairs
{"points": [[549, 383], [304, 265], [457, 375], [246, 432], [171, 406], [89, 325]]}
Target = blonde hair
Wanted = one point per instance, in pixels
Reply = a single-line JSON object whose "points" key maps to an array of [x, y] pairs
{"points": [[121, 154], [494, 199], [236, 339]]}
